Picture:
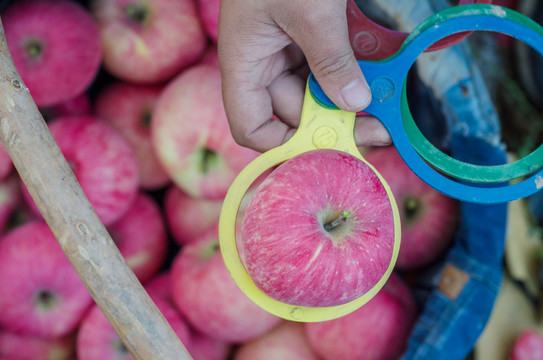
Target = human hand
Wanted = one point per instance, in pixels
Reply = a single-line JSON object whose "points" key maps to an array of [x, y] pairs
{"points": [[266, 50]]}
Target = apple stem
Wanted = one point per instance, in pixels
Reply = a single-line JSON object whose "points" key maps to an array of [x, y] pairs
{"points": [[342, 217]]}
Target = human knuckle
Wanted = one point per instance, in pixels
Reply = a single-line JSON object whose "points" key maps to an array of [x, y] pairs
{"points": [[335, 64], [241, 136]]}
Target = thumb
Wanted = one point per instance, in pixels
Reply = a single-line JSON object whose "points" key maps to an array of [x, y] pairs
{"points": [[322, 34]]}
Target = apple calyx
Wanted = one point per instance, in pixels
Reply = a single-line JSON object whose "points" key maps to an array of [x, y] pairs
{"points": [[208, 158], [146, 118], [209, 249], [34, 49], [137, 13], [340, 219], [411, 207], [45, 300]]}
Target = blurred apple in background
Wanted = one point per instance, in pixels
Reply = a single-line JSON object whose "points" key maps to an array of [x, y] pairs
{"points": [[209, 13], [319, 230], [428, 217], [286, 341], [149, 41], [103, 163], [206, 295], [187, 216], [192, 137], [25, 347], [55, 45], [40, 292], [379, 330], [202, 346], [141, 237], [128, 108]]}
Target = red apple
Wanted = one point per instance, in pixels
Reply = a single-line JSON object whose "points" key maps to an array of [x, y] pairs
{"points": [[209, 13], [319, 230], [379, 330], [97, 339], [202, 346], [528, 346], [141, 237], [102, 161], [128, 108], [188, 216], [286, 341], [428, 217], [149, 41], [206, 295], [40, 292], [26, 347], [192, 137], [55, 45]]}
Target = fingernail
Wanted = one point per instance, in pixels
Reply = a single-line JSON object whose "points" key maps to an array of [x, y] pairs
{"points": [[380, 142], [356, 95]]}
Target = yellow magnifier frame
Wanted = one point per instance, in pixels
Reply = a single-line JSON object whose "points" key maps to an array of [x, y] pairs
{"points": [[320, 128]]}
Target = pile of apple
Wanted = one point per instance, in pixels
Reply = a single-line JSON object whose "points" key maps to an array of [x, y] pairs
{"points": [[131, 91]]}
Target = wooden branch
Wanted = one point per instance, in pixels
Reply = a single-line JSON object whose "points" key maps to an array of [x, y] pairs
{"points": [[79, 231]]}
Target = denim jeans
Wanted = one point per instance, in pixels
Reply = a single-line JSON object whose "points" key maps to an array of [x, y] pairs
{"points": [[457, 294], [449, 326]]}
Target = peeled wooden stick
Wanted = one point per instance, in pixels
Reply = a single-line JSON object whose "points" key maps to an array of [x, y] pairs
{"points": [[79, 231]]}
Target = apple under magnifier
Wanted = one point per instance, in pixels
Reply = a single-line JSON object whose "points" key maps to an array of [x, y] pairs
{"points": [[324, 126]]}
